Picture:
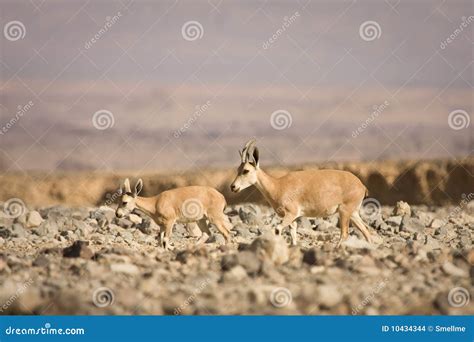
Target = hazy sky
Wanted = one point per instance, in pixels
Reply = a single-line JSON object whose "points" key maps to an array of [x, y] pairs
{"points": [[152, 63]]}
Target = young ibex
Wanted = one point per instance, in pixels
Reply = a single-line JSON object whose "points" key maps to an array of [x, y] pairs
{"points": [[309, 193], [184, 205]]}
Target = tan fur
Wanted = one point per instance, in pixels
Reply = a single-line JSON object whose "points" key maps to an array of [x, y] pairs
{"points": [[185, 204], [309, 193]]}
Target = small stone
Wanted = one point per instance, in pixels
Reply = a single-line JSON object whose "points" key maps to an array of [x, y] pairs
{"points": [[412, 225], [437, 223], [18, 231], [249, 261], [314, 256], [242, 230], [402, 209], [125, 268], [41, 261], [78, 249], [47, 228], [355, 243], [251, 215], [394, 221], [217, 238], [329, 295], [135, 219], [193, 229], [33, 219], [123, 222], [451, 269], [272, 247], [228, 261], [431, 243], [235, 274]]}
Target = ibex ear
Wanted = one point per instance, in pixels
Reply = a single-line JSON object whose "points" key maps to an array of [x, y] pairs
{"points": [[126, 185], [255, 157], [138, 187]]}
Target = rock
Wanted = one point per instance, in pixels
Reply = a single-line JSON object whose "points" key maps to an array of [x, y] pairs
{"points": [[249, 262], [314, 256], [412, 225], [235, 274], [394, 221], [402, 209], [217, 238], [304, 224], [431, 243], [193, 229], [242, 230], [48, 227], [272, 247], [33, 219], [135, 219], [18, 231], [355, 243], [123, 222], [5, 233], [329, 295], [452, 270], [125, 268], [41, 261], [251, 215], [78, 249], [322, 225], [82, 230], [437, 223], [228, 261]]}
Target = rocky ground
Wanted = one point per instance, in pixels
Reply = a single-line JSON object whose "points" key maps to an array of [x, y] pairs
{"points": [[60, 260]]}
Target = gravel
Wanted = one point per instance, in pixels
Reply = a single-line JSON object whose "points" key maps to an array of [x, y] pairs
{"points": [[56, 260]]}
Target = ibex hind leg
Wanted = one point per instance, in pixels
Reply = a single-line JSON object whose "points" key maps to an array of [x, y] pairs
{"points": [[359, 223]]}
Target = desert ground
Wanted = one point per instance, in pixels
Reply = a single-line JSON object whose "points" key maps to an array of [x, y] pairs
{"points": [[61, 257]]}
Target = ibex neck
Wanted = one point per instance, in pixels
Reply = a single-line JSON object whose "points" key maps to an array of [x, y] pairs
{"points": [[266, 184], [147, 204]]}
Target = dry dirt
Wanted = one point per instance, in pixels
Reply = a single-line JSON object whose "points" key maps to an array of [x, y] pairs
{"points": [[437, 182]]}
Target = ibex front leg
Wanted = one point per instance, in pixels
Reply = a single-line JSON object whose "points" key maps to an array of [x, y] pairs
{"points": [[288, 220], [165, 233]]}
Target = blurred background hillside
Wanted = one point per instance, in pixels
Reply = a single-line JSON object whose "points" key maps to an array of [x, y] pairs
{"points": [[179, 85]]}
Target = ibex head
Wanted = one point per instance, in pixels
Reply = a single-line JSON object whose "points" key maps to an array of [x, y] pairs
{"points": [[128, 199], [247, 171]]}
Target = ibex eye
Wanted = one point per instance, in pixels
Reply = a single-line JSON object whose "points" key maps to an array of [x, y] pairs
{"points": [[124, 203], [245, 172]]}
